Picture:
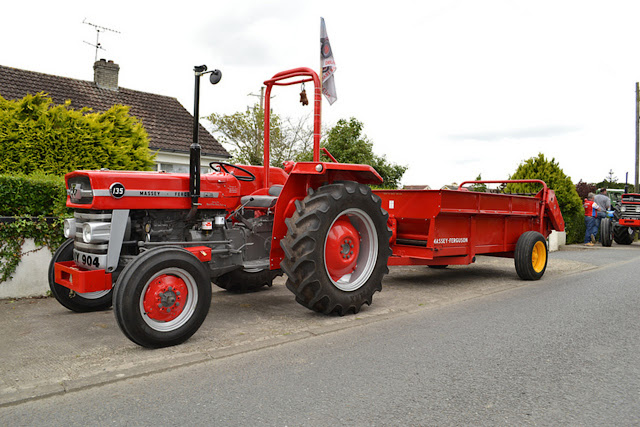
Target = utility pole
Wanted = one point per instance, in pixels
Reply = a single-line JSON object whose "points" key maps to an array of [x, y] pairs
{"points": [[636, 189], [261, 97]]}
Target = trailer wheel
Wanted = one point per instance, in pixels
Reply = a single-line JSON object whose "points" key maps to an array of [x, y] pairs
{"points": [[74, 301], [242, 281], [623, 235], [337, 247], [531, 255], [606, 232], [162, 297]]}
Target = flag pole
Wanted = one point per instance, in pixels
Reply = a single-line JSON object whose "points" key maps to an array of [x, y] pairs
{"points": [[321, 82]]}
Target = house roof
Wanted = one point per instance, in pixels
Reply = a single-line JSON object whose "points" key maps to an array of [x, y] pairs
{"points": [[168, 123]]}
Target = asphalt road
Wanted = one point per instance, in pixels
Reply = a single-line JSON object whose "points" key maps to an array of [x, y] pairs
{"points": [[561, 351]]}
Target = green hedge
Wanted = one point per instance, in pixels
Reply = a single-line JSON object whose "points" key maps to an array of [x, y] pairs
{"points": [[29, 200], [35, 195]]}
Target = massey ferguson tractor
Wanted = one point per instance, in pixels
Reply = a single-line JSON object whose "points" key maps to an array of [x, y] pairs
{"points": [[151, 243], [628, 221]]}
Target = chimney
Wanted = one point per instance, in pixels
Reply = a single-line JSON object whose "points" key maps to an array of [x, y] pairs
{"points": [[105, 74]]}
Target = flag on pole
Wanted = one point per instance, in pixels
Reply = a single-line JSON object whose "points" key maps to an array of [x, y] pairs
{"points": [[328, 65]]}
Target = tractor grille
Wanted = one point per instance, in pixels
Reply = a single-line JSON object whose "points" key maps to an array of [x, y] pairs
{"points": [[631, 198], [83, 217]]}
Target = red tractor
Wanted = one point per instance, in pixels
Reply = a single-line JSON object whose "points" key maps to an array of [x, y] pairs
{"points": [[623, 231], [151, 243]]}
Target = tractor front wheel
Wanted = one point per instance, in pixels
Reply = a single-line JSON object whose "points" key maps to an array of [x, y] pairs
{"points": [[74, 301], [531, 255], [623, 235], [606, 232], [162, 297], [336, 248]]}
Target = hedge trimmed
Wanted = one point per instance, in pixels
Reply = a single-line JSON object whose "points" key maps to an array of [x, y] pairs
{"points": [[29, 200], [35, 195]]}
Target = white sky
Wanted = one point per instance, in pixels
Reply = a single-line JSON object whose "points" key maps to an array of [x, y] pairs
{"points": [[451, 88]]}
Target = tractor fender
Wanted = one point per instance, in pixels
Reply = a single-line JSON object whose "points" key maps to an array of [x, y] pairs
{"points": [[306, 177]]}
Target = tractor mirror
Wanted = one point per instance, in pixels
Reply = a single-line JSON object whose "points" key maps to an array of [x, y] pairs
{"points": [[215, 76]]}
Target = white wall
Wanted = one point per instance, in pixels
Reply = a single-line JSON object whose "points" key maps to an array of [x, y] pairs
{"points": [[31, 277]]}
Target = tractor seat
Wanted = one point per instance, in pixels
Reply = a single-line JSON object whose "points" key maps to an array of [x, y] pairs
{"points": [[262, 201]]}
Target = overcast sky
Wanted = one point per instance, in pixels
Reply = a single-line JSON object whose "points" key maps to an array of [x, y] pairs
{"points": [[450, 88]]}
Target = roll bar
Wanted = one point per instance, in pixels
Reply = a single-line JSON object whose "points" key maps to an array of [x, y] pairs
{"points": [[283, 78]]}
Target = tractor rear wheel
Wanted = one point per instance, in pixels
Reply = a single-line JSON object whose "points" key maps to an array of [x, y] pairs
{"points": [[623, 235], [336, 248], [162, 297], [606, 232], [531, 255], [242, 281], [74, 301]]}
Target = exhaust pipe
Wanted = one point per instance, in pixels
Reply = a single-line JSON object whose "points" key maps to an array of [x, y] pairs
{"points": [[194, 149]]}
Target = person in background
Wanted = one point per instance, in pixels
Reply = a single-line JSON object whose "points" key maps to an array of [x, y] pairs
{"points": [[590, 214], [604, 204]]}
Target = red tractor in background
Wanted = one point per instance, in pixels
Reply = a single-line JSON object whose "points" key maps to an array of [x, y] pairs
{"points": [[151, 243], [628, 221]]}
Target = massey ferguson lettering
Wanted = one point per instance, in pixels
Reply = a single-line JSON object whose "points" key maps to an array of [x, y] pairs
{"points": [[450, 240]]}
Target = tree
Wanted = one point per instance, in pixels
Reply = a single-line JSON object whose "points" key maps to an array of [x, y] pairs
{"points": [[482, 188], [584, 189], [347, 144], [38, 136], [550, 172], [244, 133], [610, 181]]}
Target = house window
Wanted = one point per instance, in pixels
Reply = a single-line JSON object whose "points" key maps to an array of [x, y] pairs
{"points": [[173, 168]]}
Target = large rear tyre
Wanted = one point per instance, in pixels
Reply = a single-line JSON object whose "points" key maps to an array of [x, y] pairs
{"points": [[606, 232], [623, 235], [531, 255], [242, 281], [74, 301], [162, 297], [336, 249]]}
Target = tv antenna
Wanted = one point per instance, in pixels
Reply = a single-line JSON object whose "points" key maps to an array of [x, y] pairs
{"points": [[98, 28]]}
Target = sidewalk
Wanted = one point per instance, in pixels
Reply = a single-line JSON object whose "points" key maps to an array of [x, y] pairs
{"points": [[46, 349]]}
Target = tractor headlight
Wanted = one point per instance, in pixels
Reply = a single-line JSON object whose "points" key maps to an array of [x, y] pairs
{"points": [[69, 227], [623, 209], [96, 232]]}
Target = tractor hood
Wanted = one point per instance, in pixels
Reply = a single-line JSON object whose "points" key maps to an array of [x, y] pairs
{"points": [[107, 190]]}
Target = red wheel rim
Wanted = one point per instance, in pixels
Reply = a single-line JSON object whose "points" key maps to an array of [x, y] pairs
{"points": [[165, 297], [342, 248]]}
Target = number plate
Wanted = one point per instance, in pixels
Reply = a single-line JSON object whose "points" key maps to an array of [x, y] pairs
{"points": [[90, 261]]}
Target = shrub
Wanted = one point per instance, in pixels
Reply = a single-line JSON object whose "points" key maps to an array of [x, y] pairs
{"points": [[36, 135], [24, 198], [550, 172], [584, 188], [35, 195]]}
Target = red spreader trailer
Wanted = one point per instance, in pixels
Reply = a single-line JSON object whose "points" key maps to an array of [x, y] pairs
{"points": [[151, 243], [450, 227]]}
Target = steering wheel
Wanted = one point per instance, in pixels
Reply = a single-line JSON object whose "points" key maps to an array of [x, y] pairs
{"points": [[249, 177]]}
